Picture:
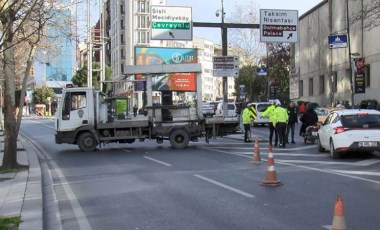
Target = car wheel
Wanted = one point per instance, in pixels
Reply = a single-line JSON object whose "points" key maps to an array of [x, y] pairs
{"points": [[87, 142], [333, 153], [320, 148], [179, 139]]}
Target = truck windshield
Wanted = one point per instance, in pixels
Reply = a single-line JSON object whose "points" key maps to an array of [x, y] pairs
{"points": [[73, 101]]}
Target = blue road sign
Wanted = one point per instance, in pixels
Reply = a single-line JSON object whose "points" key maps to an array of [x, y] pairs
{"points": [[261, 71], [338, 41]]}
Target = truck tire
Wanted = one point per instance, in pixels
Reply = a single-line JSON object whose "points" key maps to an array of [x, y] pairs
{"points": [[87, 142], [179, 139]]}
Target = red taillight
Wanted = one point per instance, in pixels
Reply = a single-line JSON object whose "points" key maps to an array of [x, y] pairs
{"points": [[339, 129]]}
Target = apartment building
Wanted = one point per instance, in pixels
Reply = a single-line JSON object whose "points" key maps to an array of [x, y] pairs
{"points": [[323, 75]]}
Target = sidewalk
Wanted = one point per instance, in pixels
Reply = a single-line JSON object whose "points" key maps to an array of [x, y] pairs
{"points": [[21, 192]]}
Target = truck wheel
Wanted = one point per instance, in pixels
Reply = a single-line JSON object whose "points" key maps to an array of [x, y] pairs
{"points": [[87, 142], [179, 139]]}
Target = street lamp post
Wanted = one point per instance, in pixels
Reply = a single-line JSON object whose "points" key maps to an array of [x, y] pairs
{"points": [[224, 53]]}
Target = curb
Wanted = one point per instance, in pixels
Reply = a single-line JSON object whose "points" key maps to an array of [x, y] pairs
{"points": [[31, 213]]}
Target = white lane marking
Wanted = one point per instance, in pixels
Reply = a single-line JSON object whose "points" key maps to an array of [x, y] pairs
{"points": [[317, 162], [357, 172], [274, 149], [225, 186], [359, 163], [157, 161], [289, 154], [327, 226], [77, 209], [305, 167], [368, 162]]}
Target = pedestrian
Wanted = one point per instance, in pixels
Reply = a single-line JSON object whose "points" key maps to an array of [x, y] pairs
{"points": [[309, 118], [135, 110], [280, 121], [249, 115], [272, 130], [293, 119], [302, 108]]}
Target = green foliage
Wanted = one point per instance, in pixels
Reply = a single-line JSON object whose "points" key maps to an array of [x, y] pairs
{"points": [[278, 65], [80, 77], [255, 86], [41, 94], [10, 223]]}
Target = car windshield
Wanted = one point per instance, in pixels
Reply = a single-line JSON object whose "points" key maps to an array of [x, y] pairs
{"points": [[231, 107], [262, 107], [361, 120]]}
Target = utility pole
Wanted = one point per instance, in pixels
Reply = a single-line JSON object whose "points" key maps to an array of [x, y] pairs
{"points": [[224, 28], [89, 46]]}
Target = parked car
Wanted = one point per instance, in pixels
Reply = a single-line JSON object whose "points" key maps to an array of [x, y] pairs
{"points": [[322, 114], [208, 110], [260, 108], [231, 110], [346, 130]]}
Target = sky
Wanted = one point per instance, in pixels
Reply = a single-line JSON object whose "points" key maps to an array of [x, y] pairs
{"points": [[204, 11]]}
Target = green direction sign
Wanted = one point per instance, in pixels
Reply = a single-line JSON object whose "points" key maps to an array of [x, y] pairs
{"points": [[171, 23]]}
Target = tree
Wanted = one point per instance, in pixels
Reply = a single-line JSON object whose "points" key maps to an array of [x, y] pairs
{"points": [[368, 13], [41, 94], [255, 86], [22, 28], [278, 64], [80, 78], [246, 39]]}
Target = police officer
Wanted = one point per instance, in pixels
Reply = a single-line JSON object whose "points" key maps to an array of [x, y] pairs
{"points": [[249, 115], [272, 130], [280, 121]]}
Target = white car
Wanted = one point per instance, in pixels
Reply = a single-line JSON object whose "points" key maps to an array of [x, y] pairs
{"points": [[354, 130], [231, 109], [260, 108]]}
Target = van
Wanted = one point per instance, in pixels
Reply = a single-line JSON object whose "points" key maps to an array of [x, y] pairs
{"points": [[231, 111], [260, 108]]}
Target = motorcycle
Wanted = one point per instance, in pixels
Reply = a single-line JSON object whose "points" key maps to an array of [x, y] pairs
{"points": [[311, 134]]}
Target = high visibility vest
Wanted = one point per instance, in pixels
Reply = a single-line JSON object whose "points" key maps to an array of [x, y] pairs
{"points": [[280, 115], [270, 112]]}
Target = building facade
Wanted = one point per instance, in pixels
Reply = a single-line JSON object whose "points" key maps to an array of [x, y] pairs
{"points": [[324, 75]]}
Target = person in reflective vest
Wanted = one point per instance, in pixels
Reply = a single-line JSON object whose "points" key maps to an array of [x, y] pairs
{"points": [[280, 120], [272, 130], [249, 115]]}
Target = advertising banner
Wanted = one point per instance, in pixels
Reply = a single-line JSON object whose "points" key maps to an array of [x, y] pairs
{"points": [[359, 75], [162, 55]]}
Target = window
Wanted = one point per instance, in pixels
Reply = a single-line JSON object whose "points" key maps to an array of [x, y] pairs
{"points": [[321, 84], [311, 87], [122, 24], [122, 39], [122, 9], [301, 88], [73, 101], [367, 75]]}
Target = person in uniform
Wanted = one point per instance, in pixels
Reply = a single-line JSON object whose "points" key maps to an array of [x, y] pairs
{"points": [[280, 121], [272, 130], [249, 115]]}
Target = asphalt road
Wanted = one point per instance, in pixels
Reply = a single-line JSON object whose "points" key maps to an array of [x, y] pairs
{"points": [[144, 185]]}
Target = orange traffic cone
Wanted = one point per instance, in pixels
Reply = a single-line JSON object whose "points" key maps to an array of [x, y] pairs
{"points": [[271, 178], [256, 152], [339, 222]]}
